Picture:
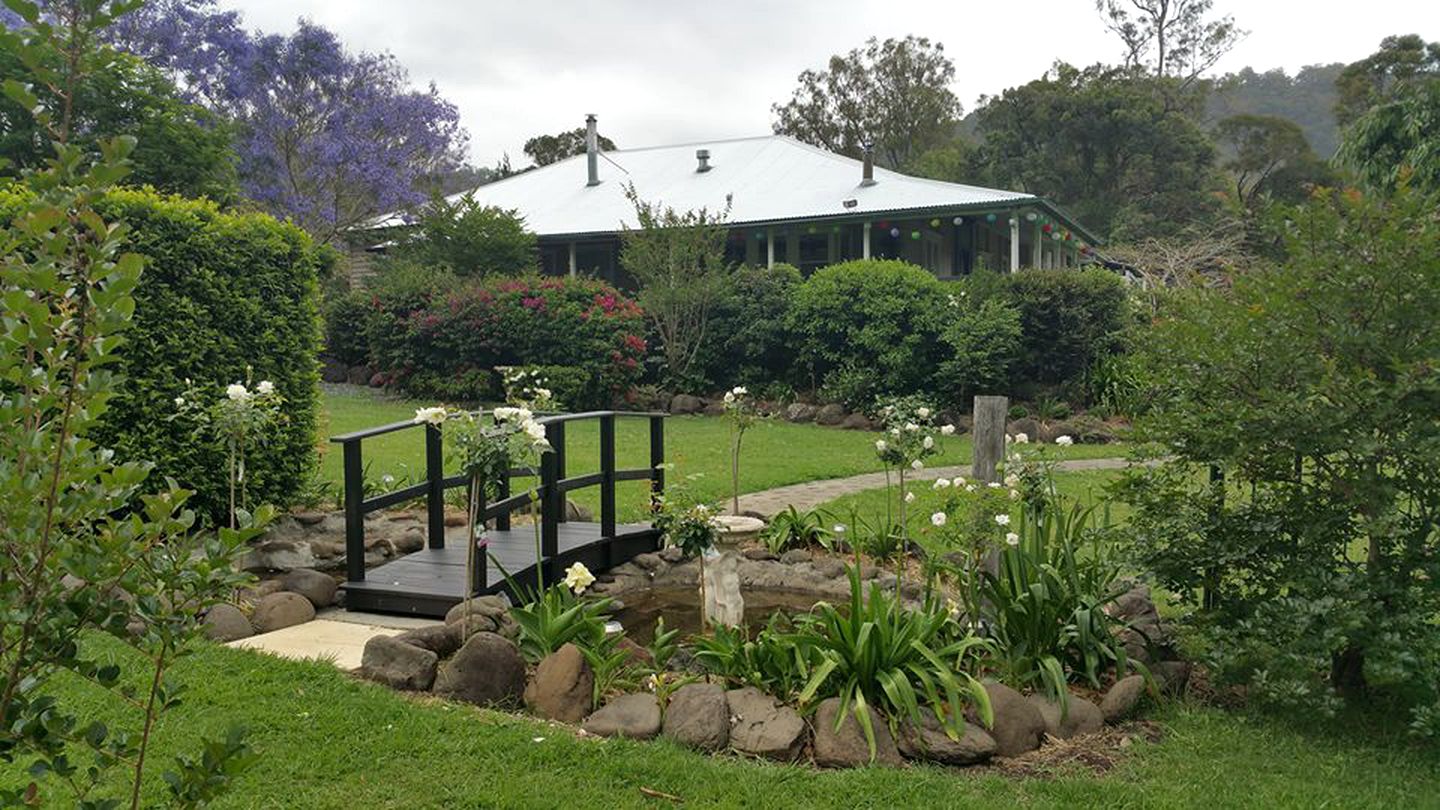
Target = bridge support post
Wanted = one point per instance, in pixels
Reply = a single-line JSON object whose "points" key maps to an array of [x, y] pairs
{"points": [[434, 487], [552, 505], [354, 513]]}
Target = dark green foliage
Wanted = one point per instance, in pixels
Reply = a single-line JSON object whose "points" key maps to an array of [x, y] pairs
{"points": [[182, 148], [746, 339], [470, 239], [870, 328], [1312, 386], [983, 338], [772, 661], [221, 293], [547, 149], [1307, 99], [434, 336], [1069, 319], [345, 317], [1116, 146]]}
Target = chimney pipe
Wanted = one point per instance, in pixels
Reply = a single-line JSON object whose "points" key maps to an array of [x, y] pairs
{"points": [[867, 177], [703, 156], [592, 149]]}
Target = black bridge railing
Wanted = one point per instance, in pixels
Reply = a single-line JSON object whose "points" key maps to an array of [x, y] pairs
{"points": [[551, 490]]}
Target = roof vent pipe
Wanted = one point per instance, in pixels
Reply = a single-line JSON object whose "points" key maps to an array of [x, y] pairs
{"points": [[867, 177], [592, 150], [703, 156]]}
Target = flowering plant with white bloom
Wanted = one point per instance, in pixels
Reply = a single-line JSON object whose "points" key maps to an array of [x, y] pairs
{"points": [[687, 524], [741, 411], [578, 578], [912, 439], [528, 387], [236, 420]]}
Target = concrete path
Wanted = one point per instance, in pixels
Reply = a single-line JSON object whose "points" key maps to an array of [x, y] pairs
{"points": [[335, 636], [813, 493]]}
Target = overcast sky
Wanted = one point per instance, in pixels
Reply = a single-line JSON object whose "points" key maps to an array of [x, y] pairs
{"points": [[668, 71]]}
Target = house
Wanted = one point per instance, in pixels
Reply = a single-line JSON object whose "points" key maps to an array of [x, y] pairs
{"points": [[788, 202]]}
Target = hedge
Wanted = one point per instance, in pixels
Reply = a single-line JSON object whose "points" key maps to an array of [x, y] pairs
{"points": [[1069, 320], [870, 328], [746, 340], [433, 337], [220, 292]]}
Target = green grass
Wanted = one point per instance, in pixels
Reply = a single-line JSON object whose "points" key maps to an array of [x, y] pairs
{"points": [[330, 741], [775, 452]]}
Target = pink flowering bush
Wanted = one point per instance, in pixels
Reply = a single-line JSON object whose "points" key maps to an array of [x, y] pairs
{"points": [[446, 341]]}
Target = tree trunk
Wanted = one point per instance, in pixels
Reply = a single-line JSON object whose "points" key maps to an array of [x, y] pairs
{"points": [[1347, 673]]}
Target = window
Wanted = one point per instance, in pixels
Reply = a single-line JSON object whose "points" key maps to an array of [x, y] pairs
{"points": [[814, 252]]}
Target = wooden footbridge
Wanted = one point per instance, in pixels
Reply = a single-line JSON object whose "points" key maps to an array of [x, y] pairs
{"points": [[431, 581]]}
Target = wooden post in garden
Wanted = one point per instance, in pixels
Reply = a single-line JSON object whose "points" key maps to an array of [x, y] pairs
{"points": [[989, 434]]}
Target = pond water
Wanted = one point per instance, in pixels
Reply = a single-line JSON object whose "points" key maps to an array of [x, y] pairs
{"points": [[681, 609]]}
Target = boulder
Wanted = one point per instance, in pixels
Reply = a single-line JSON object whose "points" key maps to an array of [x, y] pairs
{"points": [[280, 610], [635, 655], [317, 587], [563, 687], [1122, 698], [279, 555], [398, 665], [759, 553], [858, 421], [1018, 725], [800, 412], [794, 556], [309, 518], [1082, 716], [377, 380], [763, 726], [829, 567], [578, 512], [846, 747], [681, 404], [928, 741], [1054, 429], [714, 407], [488, 614], [441, 639], [830, 415], [487, 671], [358, 375], [227, 623], [1173, 676], [408, 541], [634, 716], [698, 717], [1026, 425]]}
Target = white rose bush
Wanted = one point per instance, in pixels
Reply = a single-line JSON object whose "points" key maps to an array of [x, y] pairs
{"points": [[236, 420], [740, 412], [910, 437]]}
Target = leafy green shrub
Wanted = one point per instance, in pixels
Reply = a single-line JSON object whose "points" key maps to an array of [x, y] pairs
{"points": [[556, 617], [470, 239], [1311, 387], [792, 528], [983, 339], [432, 336], [877, 653], [1069, 319], [879, 320], [746, 339], [223, 295], [345, 318], [772, 661]]}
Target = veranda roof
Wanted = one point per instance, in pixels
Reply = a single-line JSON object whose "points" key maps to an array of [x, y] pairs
{"points": [[769, 179]]}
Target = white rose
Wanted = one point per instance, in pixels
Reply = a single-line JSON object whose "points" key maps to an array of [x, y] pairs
{"points": [[1064, 441], [923, 413], [993, 485], [959, 481], [917, 465], [909, 497], [739, 391], [941, 483], [534, 430], [969, 487], [1012, 480], [1003, 520], [236, 392], [578, 578], [1014, 494], [839, 528], [1012, 538], [179, 402], [938, 519], [880, 445], [267, 387], [429, 416], [947, 430], [911, 427], [894, 431], [928, 444], [1021, 438], [729, 397]]}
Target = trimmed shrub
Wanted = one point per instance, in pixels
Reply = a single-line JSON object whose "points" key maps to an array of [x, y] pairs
{"points": [[434, 339], [984, 344], [1069, 319], [345, 317], [746, 340], [870, 327], [220, 292]]}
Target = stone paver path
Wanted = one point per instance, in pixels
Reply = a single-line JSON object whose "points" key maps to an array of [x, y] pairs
{"points": [[337, 636], [813, 493]]}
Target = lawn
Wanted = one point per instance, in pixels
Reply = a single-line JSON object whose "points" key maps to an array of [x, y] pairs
{"points": [[330, 741], [775, 452]]}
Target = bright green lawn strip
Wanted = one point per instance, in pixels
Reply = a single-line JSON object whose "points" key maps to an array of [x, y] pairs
{"points": [[330, 741], [775, 453]]}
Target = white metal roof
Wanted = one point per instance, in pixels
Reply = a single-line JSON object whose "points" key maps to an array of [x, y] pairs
{"points": [[770, 178]]}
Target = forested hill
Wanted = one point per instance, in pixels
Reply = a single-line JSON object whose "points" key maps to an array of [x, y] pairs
{"points": [[1307, 98]]}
